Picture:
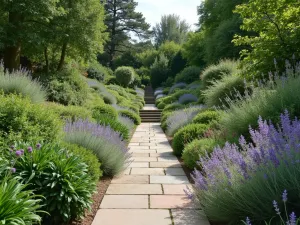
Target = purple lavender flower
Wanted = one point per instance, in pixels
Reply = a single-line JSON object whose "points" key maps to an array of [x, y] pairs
{"points": [[293, 219], [13, 170], [38, 145], [284, 196], [22, 151], [275, 205], [248, 222], [18, 153], [29, 149]]}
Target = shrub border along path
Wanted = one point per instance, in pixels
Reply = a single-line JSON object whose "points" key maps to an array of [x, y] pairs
{"points": [[151, 190]]}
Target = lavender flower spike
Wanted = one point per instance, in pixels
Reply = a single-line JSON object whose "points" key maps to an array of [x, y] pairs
{"points": [[284, 196]]}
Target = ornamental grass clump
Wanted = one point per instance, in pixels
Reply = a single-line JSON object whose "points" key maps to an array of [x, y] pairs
{"points": [[236, 182], [106, 144], [19, 82], [180, 118]]}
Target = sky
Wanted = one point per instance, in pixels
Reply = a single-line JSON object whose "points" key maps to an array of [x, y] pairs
{"points": [[154, 9]]}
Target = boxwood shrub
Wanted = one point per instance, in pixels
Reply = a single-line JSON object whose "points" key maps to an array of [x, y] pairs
{"points": [[186, 135], [133, 116], [100, 109], [207, 116]]}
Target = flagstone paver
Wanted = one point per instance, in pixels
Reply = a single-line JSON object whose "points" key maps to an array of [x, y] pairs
{"points": [[151, 190]]}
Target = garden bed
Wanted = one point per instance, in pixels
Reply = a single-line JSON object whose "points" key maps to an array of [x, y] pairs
{"points": [[97, 199]]}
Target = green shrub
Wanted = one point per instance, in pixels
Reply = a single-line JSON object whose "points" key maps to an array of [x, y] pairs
{"points": [[196, 149], [101, 109], [70, 112], [88, 157], [61, 178], [206, 117], [108, 98], [267, 103], [161, 105], [173, 106], [186, 135], [67, 87], [228, 87], [19, 82], [18, 205], [133, 116], [159, 71], [125, 75], [112, 80], [22, 120], [98, 72], [166, 100], [188, 75], [114, 124], [217, 71]]}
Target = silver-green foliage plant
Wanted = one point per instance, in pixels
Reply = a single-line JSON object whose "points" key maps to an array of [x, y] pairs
{"points": [[20, 82], [180, 118], [106, 144], [125, 75], [18, 206]]}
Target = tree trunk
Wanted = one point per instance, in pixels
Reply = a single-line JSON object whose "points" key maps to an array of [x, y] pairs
{"points": [[113, 36], [12, 52], [62, 56], [46, 59]]}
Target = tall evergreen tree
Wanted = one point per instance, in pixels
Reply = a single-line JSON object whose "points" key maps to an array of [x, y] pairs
{"points": [[171, 28], [122, 21]]}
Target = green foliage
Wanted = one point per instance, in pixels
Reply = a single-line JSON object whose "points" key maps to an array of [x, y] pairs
{"points": [[18, 206], [67, 87], [104, 109], [169, 49], [133, 116], [196, 149], [188, 75], [207, 117], [148, 57], [187, 134], [178, 63], [19, 82], [193, 49], [171, 28], [159, 71], [70, 112], [231, 86], [172, 107], [268, 104], [219, 70], [98, 72], [125, 75], [22, 120], [277, 30], [128, 58], [114, 124], [161, 105], [61, 178], [88, 157]]}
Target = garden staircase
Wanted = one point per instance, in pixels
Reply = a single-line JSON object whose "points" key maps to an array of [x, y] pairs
{"points": [[150, 114]]}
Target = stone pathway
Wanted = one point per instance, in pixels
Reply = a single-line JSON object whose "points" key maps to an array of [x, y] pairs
{"points": [[150, 191]]}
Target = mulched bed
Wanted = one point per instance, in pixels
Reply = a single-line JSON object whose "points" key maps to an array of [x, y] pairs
{"points": [[97, 199]]}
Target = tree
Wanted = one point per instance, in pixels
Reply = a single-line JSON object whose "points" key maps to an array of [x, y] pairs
{"points": [[121, 22], [194, 49], [277, 24], [171, 28], [21, 22], [218, 25], [169, 49]]}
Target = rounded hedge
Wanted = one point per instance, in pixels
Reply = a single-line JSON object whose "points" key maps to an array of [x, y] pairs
{"points": [[195, 149], [186, 135], [187, 98], [22, 120], [188, 75], [104, 109], [131, 115], [206, 117], [125, 75]]}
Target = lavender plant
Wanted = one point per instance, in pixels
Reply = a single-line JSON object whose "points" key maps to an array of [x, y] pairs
{"points": [[249, 177], [180, 118], [103, 141], [187, 98], [285, 218], [175, 86]]}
